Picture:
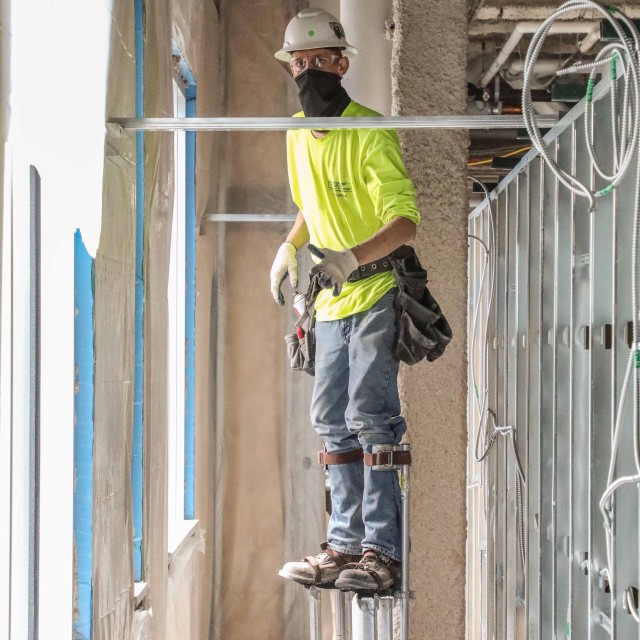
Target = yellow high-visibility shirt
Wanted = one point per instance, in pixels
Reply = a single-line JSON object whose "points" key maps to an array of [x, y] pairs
{"points": [[348, 185]]}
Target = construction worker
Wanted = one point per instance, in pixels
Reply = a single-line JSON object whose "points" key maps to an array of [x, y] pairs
{"points": [[356, 205]]}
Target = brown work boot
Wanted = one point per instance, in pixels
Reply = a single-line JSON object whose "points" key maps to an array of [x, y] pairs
{"points": [[374, 572], [322, 569]]}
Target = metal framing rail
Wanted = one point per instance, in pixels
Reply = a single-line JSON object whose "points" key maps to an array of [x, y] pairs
{"points": [[284, 124], [557, 347]]}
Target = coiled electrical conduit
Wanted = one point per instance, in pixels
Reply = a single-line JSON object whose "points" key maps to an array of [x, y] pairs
{"points": [[626, 149], [482, 399]]}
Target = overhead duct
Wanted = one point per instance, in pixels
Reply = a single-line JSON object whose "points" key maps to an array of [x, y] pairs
{"points": [[575, 26]]}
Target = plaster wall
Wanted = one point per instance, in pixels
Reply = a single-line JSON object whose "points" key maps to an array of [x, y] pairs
{"points": [[429, 78]]}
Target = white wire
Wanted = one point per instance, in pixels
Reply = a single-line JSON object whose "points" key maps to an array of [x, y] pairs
{"points": [[624, 56], [484, 413]]}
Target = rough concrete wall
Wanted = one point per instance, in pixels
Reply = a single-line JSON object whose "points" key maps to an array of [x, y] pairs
{"points": [[429, 78], [114, 310], [266, 492]]}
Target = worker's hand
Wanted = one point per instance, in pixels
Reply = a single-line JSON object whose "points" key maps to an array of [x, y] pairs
{"points": [[285, 264], [334, 267]]}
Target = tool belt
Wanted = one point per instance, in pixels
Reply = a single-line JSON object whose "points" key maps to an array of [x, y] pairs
{"points": [[301, 350], [422, 331]]}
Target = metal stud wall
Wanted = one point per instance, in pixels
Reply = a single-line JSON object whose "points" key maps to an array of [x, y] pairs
{"points": [[551, 366]]}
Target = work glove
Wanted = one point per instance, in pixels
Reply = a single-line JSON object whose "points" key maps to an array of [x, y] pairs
{"points": [[334, 267], [285, 264]]}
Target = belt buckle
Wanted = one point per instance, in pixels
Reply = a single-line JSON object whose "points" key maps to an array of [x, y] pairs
{"points": [[389, 462]]}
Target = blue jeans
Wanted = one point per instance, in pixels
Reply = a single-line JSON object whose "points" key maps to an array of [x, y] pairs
{"points": [[356, 404]]}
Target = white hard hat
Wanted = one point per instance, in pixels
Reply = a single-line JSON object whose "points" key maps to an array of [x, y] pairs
{"points": [[314, 29]]}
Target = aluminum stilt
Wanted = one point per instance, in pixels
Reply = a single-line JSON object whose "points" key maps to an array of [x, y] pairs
{"points": [[369, 628], [342, 620], [403, 465], [384, 617], [375, 621], [406, 546], [315, 619]]}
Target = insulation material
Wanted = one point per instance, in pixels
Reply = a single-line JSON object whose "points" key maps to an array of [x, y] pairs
{"points": [[141, 626], [196, 29], [114, 308], [429, 78], [182, 588]]}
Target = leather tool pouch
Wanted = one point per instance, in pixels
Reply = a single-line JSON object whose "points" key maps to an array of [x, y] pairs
{"points": [[423, 331], [301, 351]]}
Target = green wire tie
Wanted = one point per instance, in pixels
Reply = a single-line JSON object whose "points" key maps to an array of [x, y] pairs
{"points": [[590, 85], [612, 10], [475, 390], [603, 192], [636, 359], [614, 70]]}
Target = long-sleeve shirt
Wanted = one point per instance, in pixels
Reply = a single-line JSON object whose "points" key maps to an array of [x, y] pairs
{"points": [[348, 185]]}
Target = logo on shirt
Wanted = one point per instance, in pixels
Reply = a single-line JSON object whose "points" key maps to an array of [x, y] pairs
{"points": [[339, 189]]}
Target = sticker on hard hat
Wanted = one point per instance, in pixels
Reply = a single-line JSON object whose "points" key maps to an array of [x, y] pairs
{"points": [[338, 30]]}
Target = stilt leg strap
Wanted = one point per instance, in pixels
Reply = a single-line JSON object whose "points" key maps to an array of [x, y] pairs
{"points": [[340, 457], [387, 458]]}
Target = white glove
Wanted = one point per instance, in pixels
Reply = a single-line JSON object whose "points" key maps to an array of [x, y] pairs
{"points": [[334, 267], [285, 264]]}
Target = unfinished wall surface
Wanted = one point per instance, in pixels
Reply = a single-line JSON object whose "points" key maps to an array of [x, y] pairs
{"points": [[114, 311], [429, 78], [269, 492], [159, 194], [179, 599], [195, 28]]}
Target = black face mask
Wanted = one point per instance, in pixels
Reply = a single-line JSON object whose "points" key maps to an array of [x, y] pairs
{"points": [[321, 94]]}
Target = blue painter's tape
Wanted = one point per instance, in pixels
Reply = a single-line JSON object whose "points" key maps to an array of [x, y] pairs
{"points": [[190, 313], [83, 434], [138, 384], [189, 89]]}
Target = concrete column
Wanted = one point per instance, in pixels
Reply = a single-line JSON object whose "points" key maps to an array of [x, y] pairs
{"points": [[368, 80], [428, 76]]}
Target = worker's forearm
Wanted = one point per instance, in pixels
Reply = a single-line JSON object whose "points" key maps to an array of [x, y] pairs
{"points": [[390, 237], [299, 234]]}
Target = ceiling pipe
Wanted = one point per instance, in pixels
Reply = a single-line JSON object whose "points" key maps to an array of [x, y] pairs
{"points": [[541, 68], [574, 26]]}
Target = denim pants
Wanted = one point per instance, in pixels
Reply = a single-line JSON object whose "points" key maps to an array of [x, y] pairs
{"points": [[356, 404]]}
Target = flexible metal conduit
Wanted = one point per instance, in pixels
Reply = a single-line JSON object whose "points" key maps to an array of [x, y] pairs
{"points": [[623, 55]]}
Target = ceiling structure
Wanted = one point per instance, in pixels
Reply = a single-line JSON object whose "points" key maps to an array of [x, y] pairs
{"points": [[492, 24]]}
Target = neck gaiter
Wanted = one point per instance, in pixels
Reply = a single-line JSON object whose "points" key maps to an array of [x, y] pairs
{"points": [[321, 94]]}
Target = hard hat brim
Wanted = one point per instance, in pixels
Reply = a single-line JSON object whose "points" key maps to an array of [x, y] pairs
{"points": [[284, 54]]}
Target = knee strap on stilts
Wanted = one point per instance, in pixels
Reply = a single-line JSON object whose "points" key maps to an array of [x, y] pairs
{"points": [[339, 457], [387, 458]]}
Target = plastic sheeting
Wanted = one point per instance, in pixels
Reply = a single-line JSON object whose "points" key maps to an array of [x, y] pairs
{"points": [[193, 24]]}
